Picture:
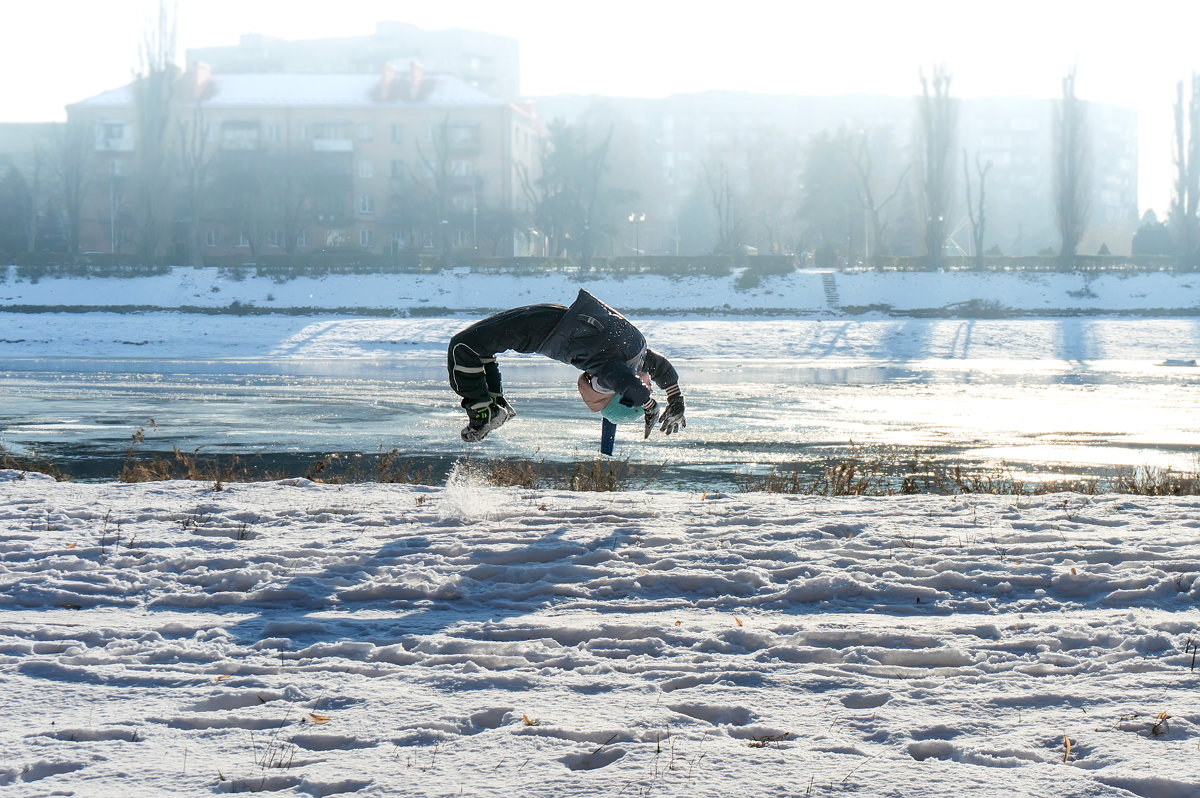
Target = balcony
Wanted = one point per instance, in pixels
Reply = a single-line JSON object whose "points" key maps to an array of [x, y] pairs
{"points": [[124, 144], [465, 146], [333, 145]]}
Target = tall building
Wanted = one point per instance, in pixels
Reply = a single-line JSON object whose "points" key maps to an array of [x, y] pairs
{"points": [[399, 160], [486, 61], [1014, 134]]}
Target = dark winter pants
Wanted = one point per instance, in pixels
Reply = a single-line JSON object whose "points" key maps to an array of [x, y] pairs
{"points": [[473, 375], [471, 356]]}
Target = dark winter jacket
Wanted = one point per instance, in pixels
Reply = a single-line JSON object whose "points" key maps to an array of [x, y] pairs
{"points": [[594, 338], [588, 335]]}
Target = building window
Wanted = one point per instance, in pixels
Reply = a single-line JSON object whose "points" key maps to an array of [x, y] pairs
{"points": [[270, 132], [365, 133], [302, 239], [114, 130], [240, 135], [463, 133], [366, 238], [302, 133], [331, 130], [460, 167], [397, 170], [366, 204], [210, 237], [366, 169], [242, 240], [274, 237], [397, 241], [397, 133], [115, 169]]}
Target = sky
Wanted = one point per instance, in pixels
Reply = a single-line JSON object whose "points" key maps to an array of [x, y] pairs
{"points": [[60, 51]]}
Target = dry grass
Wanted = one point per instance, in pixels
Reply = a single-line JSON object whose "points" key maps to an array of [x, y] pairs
{"points": [[595, 474], [864, 471], [886, 471], [30, 462], [1150, 481], [387, 467]]}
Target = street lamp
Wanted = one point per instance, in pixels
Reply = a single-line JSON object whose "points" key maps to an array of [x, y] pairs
{"points": [[636, 220], [474, 219]]}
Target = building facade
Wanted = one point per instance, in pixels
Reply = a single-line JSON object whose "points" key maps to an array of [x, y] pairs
{"points": [[262, 163], [485, 61]]}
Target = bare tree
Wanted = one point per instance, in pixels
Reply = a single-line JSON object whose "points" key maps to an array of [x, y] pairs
{"points": [[773, 165], [939, 128], [1186, 199], [1072, 170], [154, 89], [573, 202], [71, 159], [725, 202], [831, 208], [16, 209], [978, 219], [860, 154], [195, 157], [436, 184]]}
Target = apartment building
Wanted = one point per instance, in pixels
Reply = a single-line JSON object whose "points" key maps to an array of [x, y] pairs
{"points": [[400, 160], [486, 61]]}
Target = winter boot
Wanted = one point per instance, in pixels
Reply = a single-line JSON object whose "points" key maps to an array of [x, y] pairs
{"points": [[484, 420]]}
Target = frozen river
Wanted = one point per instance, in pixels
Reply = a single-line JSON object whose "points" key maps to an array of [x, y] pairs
{"points": [[1079, 394]]}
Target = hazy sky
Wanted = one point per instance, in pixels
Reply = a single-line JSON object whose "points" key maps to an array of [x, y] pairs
{"points": [[1132, 54]]}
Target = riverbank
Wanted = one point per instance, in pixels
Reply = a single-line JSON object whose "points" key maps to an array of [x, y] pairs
{"points": [[799, 294]]}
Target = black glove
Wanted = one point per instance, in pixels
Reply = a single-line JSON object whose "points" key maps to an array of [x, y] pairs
{"points": [[651, 410], [672, 418]]}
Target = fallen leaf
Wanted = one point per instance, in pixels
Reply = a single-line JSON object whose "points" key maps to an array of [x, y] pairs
{"points": [[738, 620], [318, 718], [1073, 572], [70, 545], [702, 495], [1066, 747], [529, 722], [677, 623], [222, 677]]}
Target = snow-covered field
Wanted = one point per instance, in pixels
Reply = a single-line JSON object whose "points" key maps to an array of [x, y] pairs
{"points": [[306, 639]]}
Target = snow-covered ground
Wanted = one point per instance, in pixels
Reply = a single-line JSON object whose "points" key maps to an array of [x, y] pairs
{"points": [[801, 293], [380, 640]]}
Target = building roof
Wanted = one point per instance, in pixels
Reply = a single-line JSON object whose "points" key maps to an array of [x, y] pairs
{"points": [[318, 90]]}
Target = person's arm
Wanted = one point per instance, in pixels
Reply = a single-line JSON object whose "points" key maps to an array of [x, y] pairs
{"points": [[660, 370], [665, 377], [619, 377]]}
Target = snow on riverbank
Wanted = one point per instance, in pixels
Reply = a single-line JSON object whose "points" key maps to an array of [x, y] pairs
{"points": [[381, 640], [801, 293]]}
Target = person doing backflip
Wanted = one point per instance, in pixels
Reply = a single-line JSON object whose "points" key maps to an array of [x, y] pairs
{"points": [[617, 365]]}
